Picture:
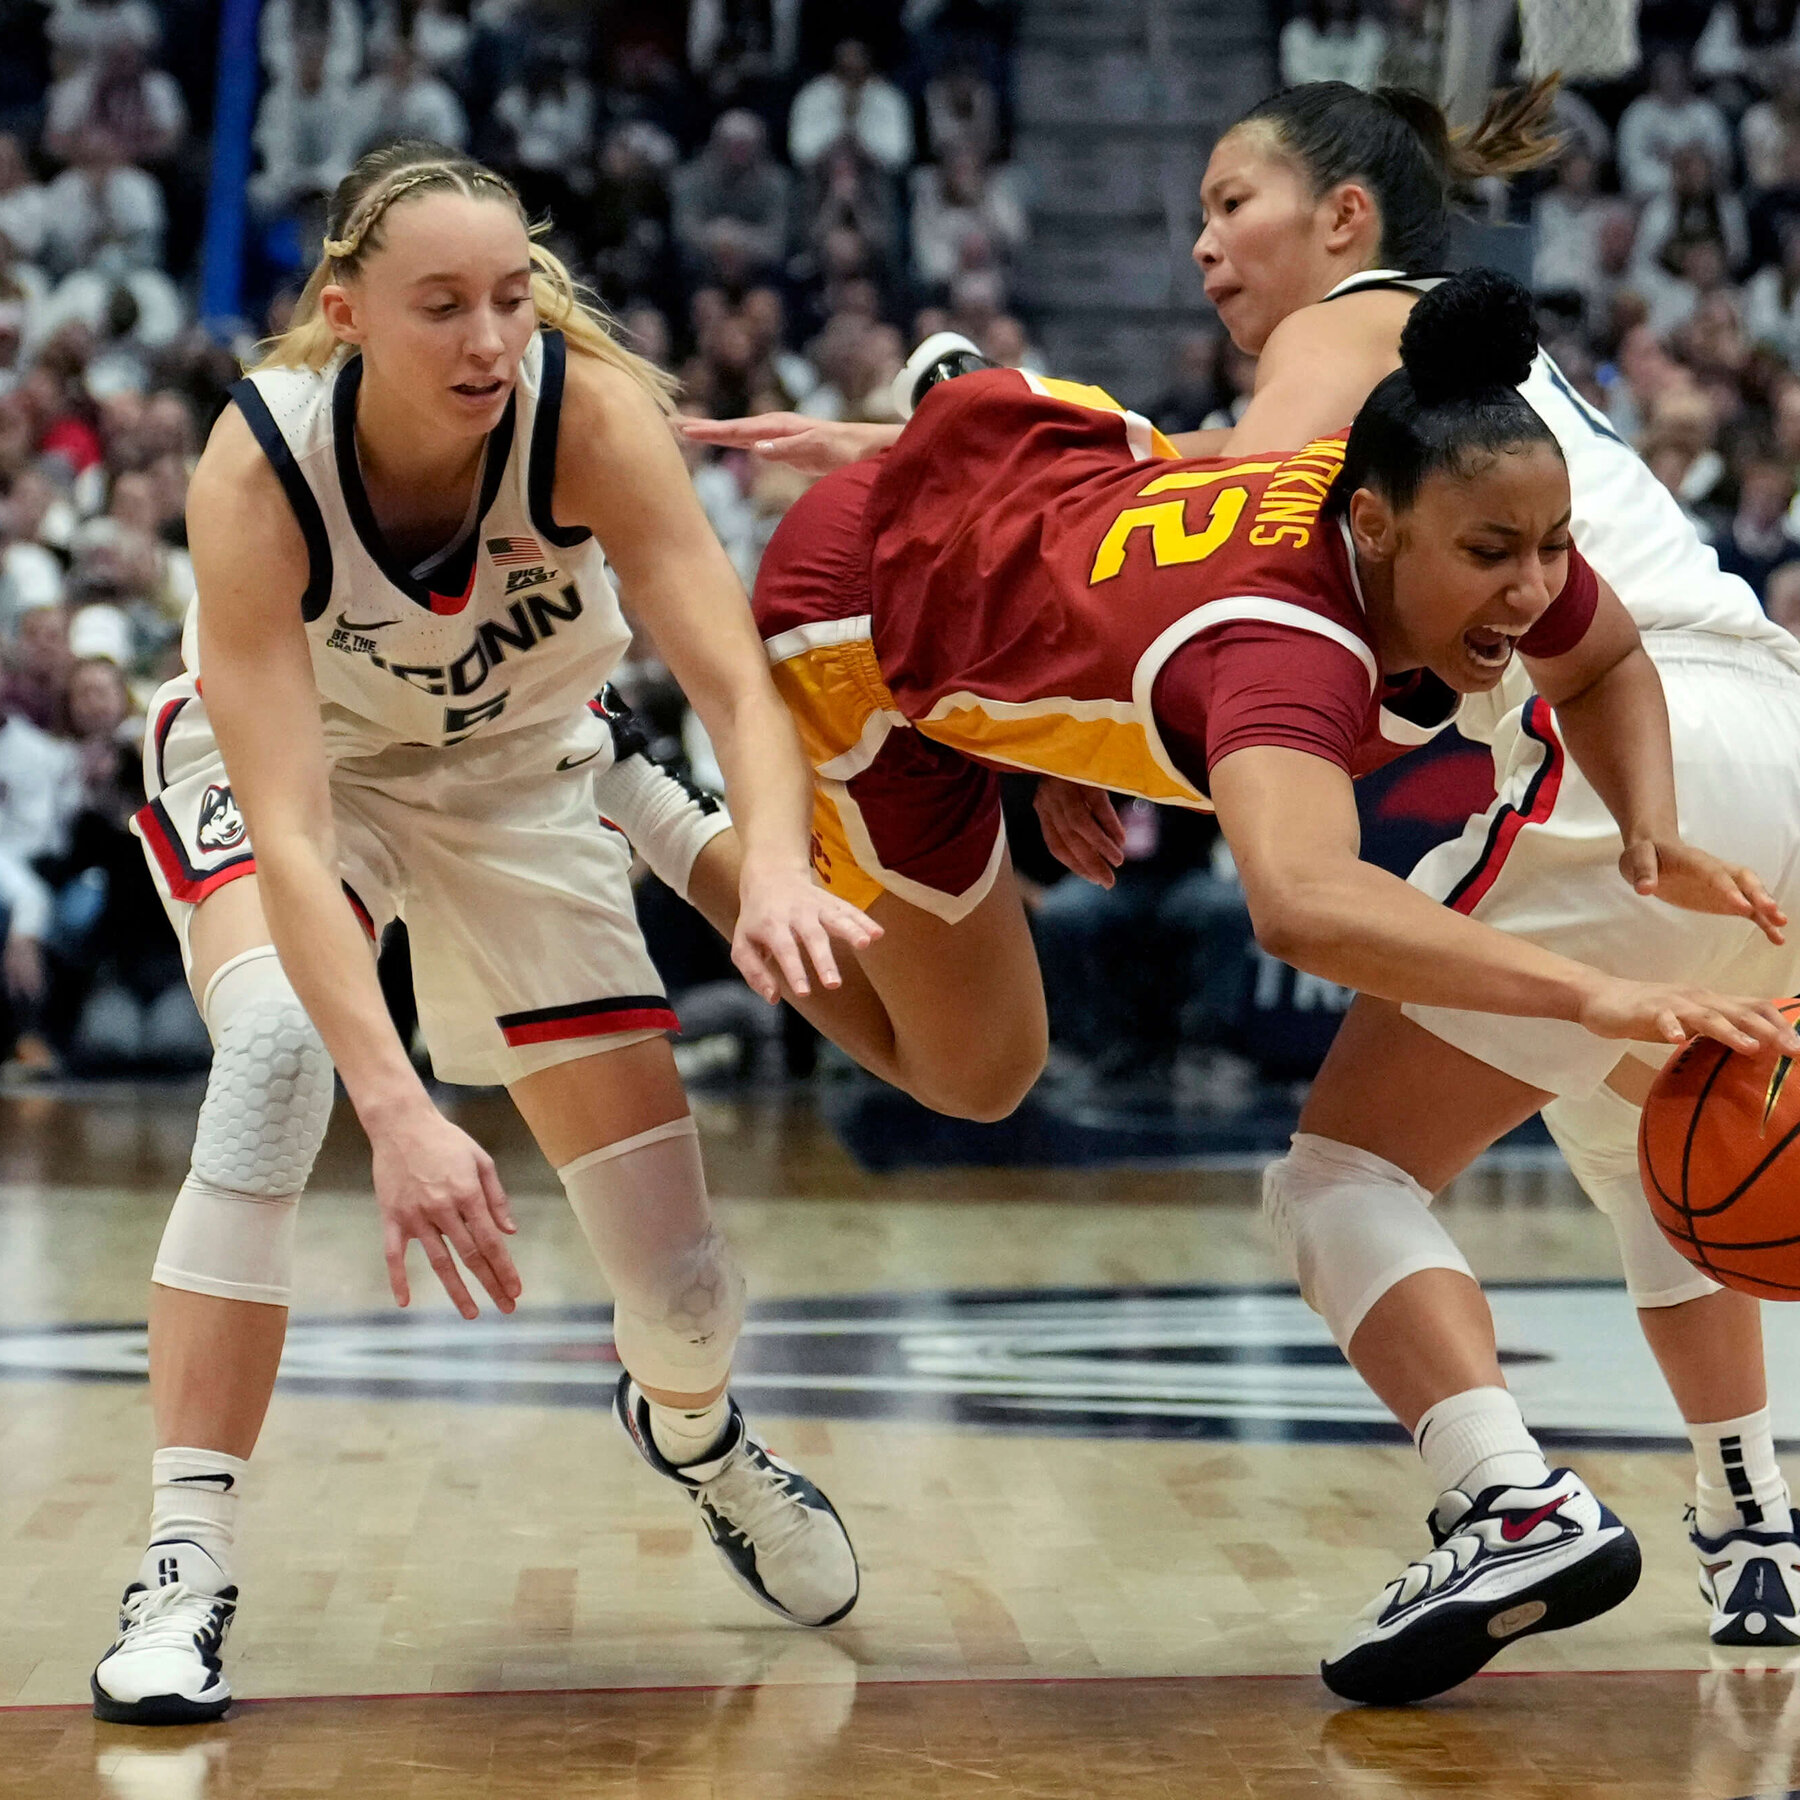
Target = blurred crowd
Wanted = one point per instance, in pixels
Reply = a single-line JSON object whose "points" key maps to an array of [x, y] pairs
{"points": [[776, 198]]}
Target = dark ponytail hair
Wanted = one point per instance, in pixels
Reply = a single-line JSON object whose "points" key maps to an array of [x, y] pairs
{"points": [[1466, 347], [1400, 145]]}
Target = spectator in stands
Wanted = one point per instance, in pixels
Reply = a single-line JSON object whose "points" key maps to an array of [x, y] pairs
{"points": [[962, 111], [1006, 342], [545, 123], [1331, 40], [303, 126], [23, 206], [1572, 220], [1757, 541], [283, 25], [1667, 118], [1740, 39], [954, 200], [1414, 54], [765, 318], [36, 668], [1696, 204], [847, 190], [732, 199], [851, 101], [626, 225], [403, 99], [440, 37], [101, 210], [742, 52], [1771, 125], [140, 108]]}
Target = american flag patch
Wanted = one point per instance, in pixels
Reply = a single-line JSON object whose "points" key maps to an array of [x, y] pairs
{"points": [[508, 550]]}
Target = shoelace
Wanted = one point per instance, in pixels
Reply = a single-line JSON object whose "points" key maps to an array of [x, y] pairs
{"points": [[756, 1502], [170, 1618]]}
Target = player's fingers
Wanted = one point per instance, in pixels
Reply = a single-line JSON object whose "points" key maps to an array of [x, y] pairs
{"points": [[393, 1249], [817, 939], [1749, 1035], [1670, 1027], [461, 1238], [1639, 866], [1091, 830], [1105, 815], [751, 963], [850, 923], [1073, 853], [498, 1205], [443, 1265]]}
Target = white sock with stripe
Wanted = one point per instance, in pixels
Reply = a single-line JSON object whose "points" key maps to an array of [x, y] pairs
{"points": [[1477, 1440], [1740, 1485]]}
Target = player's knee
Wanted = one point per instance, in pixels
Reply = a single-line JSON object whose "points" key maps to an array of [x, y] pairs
{"points": [[268, 1102], [987, 1087], [676, 1327], [1352, 1226]]}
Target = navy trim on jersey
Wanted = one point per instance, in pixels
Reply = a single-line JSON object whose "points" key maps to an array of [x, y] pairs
{"points": [[299, 493], [1596, 421], [453, 575], [1405, 284], [540, 484]]}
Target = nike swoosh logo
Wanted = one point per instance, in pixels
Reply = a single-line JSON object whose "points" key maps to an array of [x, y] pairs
{"points": [[1514, 1532], [226, 1482], [575, 762], [345, 624]]}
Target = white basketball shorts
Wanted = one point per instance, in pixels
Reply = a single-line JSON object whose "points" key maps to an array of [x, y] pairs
{"points": [[1542, 862], [516, 894]]}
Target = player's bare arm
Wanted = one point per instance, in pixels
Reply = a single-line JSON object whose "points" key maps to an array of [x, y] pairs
{"points": [[813, 446], [620, 474], [1290, 819], [1609, 703], [250, 564]]}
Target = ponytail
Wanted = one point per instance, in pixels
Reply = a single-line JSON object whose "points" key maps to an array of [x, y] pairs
{"points": [[353, 233], [1399, 144]]}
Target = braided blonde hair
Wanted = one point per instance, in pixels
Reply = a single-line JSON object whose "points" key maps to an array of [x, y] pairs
{"points": [[411, 167]]}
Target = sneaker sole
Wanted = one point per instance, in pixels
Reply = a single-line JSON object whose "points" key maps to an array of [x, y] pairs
{"points": [[1732, 1631], [1444, 1651], [156, 1709]]}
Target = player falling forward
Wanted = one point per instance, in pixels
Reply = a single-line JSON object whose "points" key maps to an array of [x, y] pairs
{"points": [[401, 532], [1322, 194]]}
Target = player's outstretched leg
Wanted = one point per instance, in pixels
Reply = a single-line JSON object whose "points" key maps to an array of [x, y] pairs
{"points": [[1708, 1341], [1517, 1548], [223, 1279], [678, 1306]]}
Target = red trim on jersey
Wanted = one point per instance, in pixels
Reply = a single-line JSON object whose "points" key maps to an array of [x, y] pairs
{"points": [[164, 720], [1539, 801], [186, 883], [588, 1018], [447, 605], [364, 917]]}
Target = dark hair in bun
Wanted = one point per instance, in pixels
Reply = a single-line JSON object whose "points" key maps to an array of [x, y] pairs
{"points": [[1465, 349]]}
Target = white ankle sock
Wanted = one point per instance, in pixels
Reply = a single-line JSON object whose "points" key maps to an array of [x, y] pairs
{"points": [[1478, 1440], [1739, 1483], [194, 1495], [687, 1437]]}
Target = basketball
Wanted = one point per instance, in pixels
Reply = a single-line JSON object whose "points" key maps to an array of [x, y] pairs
{"points": [[1719, 1149]]}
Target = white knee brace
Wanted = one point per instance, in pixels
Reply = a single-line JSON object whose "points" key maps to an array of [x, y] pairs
{"points": [[1351, 1226], [668, 822], [678, 1299], [1597, 1135], [268, 1101]]}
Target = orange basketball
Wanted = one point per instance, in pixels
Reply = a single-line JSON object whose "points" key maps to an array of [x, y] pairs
{"points": [[1719, 1151]]}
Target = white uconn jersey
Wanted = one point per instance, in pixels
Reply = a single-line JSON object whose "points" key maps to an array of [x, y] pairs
{"points": [[514, 624], [1625, 521]]}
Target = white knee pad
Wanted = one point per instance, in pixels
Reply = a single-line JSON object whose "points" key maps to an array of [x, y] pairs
{"points": [[668, 822], [268, 1101], [678, 1299], [1351, 1226], [1597, 1135]]}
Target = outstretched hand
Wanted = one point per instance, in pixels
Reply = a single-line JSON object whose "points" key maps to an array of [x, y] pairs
{"points": [[812, 446], [1081, 827], [1678, 873]]}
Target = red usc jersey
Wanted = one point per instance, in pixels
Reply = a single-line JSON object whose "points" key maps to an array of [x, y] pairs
{"points": [[1031, 576]]}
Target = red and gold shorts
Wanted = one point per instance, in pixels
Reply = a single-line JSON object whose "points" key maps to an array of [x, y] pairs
{"points": [[893, 811]]}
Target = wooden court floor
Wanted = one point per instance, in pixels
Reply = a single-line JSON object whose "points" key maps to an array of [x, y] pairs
{"points": [[1112, 1497]]}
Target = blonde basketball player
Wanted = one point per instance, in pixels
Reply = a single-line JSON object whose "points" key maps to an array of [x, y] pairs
{"points": [[402, 532]]}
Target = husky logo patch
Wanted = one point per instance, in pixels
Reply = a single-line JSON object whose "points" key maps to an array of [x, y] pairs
{"points": [[221, 824]]}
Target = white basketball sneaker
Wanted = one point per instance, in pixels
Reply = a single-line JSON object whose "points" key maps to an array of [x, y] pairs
{"points": [[942, 355], [1750, 1579], [1509, 1564], [163, 1669], [779, 1537]]}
